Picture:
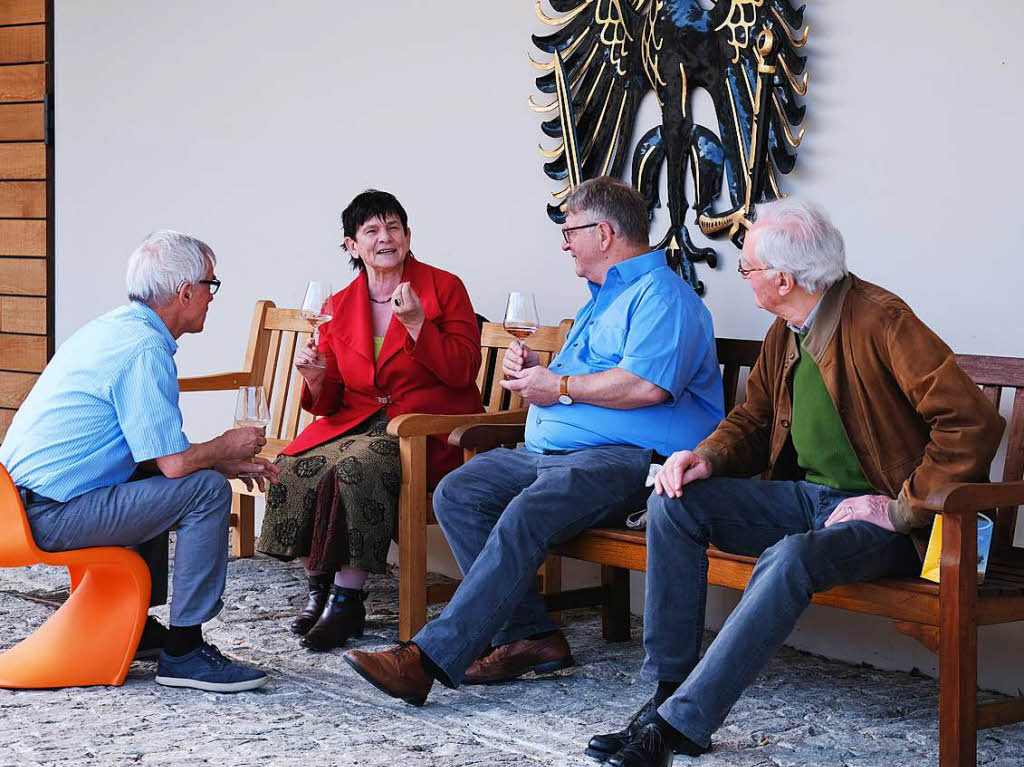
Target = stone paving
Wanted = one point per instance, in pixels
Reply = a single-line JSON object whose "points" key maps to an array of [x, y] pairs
{"points": [[804, 710]]}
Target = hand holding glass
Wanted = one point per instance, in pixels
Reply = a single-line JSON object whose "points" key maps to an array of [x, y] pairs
{"points": [[316, 310], [251, 410]]}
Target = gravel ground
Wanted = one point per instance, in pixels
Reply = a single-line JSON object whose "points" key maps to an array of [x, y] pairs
{"points": [[804, 710]]}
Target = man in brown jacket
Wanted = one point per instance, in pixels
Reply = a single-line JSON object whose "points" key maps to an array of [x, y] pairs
{"points": [[855, 412]]}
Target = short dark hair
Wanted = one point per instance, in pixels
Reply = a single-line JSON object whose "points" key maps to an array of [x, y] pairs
{"points": [[368, 204], [614, 201]]}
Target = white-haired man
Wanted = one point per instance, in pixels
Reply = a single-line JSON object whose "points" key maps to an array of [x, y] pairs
{"points": [[855, 411], [105, 410]]}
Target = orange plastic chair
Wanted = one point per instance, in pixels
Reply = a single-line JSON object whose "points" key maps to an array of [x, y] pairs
{"points": [[92, 637]]}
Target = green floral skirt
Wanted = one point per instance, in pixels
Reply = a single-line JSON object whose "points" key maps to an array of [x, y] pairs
{"points": [[337, 503]]}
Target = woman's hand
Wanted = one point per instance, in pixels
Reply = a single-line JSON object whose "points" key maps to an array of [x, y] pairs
{"points": [[310, 364], [408, 310]]}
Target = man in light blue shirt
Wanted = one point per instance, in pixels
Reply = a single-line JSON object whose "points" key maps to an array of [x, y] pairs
{"points": [[637, 377], [104, 410]]}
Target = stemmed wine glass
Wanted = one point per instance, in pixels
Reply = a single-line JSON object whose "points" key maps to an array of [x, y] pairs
{"points": [[316, 310], [520, 315], [251, 410]]}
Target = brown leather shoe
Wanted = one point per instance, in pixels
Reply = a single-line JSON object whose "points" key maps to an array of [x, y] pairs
{"points": [[397, 672], [512, 660]]}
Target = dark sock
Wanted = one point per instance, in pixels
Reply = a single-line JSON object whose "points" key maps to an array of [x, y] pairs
{"points": [[665, 691], [181, 640], [432, 670], [320, 580], [543, 634]]}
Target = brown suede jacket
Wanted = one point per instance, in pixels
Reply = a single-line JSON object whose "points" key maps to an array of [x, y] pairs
{"points": [[915, 420]]}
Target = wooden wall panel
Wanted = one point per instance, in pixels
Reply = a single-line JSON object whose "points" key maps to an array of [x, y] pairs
{"points": [[14, 387], [21, 237], [6, 416], [23, 82], [24, 353], [22, 11], [23, 161], [22, 199], [22, 44], [22, 315], [21, 122], [23, 276]]}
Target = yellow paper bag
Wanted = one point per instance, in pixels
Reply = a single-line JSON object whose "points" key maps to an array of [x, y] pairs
{"points": [[930, 569]]}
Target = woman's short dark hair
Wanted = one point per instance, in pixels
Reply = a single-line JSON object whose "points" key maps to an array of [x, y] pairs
{"points": [[366, 205]]}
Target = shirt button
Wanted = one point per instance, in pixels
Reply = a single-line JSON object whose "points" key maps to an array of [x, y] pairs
{"points": [[784, 423], [558, 364], [538, 420], [576, 344]]}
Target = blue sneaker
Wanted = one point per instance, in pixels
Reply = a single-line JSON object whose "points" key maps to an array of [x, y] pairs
{"points": [[206, 669]]}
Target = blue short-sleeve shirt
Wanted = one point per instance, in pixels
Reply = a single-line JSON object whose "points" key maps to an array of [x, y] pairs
{"points": [[647, 320], [107, 401]]}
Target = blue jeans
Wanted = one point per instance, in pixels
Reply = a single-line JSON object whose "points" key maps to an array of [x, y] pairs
{"points": [[782, 523], [501, 513], [138, 512]]}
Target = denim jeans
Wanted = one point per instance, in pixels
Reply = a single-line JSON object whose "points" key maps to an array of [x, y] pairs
{"points": [[782, 523], [501, 513], [140, 512]]}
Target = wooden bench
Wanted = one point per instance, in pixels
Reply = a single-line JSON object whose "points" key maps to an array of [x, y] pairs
{"points": [[945, 618], [274, 337]]}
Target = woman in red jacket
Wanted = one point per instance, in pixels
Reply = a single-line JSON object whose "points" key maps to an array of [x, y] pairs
{"points": [[403, 339]]}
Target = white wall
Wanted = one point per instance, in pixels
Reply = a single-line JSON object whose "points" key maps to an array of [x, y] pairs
{"points": [[252, 124]]}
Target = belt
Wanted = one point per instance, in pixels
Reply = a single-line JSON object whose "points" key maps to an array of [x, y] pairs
{"points": [[30, 496], [656, 457]]}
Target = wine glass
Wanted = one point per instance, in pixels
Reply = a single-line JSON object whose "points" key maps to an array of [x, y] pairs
{"points": [[316, 310], [520, 315], [251, 410]]}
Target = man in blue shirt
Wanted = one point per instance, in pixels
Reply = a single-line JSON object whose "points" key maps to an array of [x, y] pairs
{"points": [[638, 377], [105, 410]]}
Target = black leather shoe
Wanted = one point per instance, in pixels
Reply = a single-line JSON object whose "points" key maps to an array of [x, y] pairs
{"points": [[601, 747], [343, 617], [649, 748], [319, 588]]}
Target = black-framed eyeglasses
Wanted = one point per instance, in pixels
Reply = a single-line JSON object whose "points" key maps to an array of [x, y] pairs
{"points": [[214, 285], [567, 229], [745, 272]]}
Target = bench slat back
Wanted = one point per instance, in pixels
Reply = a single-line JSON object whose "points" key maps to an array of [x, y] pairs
{"points": [[494, 341]]}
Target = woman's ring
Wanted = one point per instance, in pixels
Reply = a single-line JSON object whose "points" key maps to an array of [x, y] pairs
{"points": [[398, 302]]}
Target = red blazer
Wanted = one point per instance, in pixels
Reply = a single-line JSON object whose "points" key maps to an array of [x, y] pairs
{"points": [[434, 374]]}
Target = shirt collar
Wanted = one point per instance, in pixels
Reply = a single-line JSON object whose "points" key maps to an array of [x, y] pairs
{"points": [[151, 318], [631, 270], [809, 321]]}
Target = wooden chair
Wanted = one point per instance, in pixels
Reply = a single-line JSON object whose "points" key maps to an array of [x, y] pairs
{"points": [[274, 337], [944, 617]]}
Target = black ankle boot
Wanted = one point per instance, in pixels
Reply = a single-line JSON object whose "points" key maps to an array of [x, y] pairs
{"points": [[343, 617], [319, 588]]}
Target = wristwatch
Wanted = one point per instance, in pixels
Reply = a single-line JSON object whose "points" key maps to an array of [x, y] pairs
{"points": [[563, 391]]}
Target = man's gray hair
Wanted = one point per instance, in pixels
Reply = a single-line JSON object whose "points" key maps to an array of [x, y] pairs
{"points": [[613, 201], [164, 262], [797, 236]]}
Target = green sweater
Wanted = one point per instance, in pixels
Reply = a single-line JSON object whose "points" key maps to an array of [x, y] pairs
{"points": [[822, 448]]}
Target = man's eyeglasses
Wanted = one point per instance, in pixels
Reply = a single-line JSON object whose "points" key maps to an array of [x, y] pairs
{"points": [[568, 229], [744, 271], [214, 285]]}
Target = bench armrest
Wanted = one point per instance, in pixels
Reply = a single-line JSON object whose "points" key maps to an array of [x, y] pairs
{"points": [[969, 497], [486, 436], [423, 424], [218, 382]]}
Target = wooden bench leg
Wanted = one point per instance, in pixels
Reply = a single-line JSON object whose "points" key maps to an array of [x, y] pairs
{"points": [[615, 613], [958, 642], [243, 537], [551, 581], [412, 539]]}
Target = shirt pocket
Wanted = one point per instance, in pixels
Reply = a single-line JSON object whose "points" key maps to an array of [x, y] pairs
{"points": [[607, 342]]}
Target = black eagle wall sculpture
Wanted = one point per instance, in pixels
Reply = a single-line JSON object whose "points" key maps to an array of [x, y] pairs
{"points": [[606, 54]]}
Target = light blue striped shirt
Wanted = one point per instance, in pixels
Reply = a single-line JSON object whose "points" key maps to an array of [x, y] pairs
{"points": [[106, 401]]}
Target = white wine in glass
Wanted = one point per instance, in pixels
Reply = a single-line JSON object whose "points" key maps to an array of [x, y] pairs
{"points": [[520, 315], [251, 410], [316, 310]]}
